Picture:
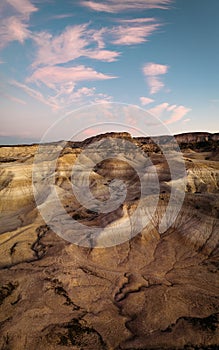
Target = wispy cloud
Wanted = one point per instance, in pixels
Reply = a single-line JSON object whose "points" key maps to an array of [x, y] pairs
{"points": [[24, 7], [81, 41], [177, 114], [113, 6], [14, 24], [61, 81], [53, 76], [13, 29], [146, 100], [186, 120], [171, 113], [137, 20], [155, 84], [65, 95], [62, 16], [152, 71], [34, 94], [132, 34], [103, 98], [54, 72], [63, 48], [13, 98], [74, 42], [159, 109], [102, 55]]}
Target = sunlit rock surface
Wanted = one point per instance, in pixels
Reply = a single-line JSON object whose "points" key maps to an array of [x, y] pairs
{"points": [[154, 291]]}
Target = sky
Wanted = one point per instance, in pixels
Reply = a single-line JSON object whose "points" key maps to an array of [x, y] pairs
{"points": [[58, 56]]}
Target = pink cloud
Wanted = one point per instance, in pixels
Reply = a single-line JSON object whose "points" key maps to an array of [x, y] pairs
{"points": [[103, 55], [186, 120], [98, 37], [24, 7], [64, 96], [100, 7], [79, 96], [73, 43], [152, 71], [171, 108], [13, 29], [35, 94], [155, 84], [146, 100], [101, 100], [54, 76], [158, 110], [80, 41], [172, 113], [177, 114], [137, 20], [18, 30], [62, 16], [82, 92], [131, 35], [113, 6], [62, 48], [14, 99]]}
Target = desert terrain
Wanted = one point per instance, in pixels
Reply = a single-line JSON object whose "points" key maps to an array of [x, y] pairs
{"points": [[157, 290]]}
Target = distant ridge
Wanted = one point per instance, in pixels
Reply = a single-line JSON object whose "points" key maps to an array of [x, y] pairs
{"points": [[185, 139]]}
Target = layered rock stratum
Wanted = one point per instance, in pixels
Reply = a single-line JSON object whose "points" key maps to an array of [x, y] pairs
{"points": [[157, 290]]}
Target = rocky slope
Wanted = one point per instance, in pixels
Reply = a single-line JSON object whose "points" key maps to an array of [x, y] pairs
{"points": [[158, 290]]}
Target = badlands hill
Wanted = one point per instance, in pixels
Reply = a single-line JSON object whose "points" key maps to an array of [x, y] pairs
{"points": [[157, 290]]}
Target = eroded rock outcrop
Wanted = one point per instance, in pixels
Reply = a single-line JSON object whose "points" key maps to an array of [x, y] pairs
{"points": [[157, 290]]}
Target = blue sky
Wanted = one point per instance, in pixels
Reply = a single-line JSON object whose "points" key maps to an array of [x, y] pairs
{"points": [[56, 56]]}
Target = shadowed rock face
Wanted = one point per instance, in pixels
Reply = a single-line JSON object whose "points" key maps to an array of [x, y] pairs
{"points": [[155, 291]]}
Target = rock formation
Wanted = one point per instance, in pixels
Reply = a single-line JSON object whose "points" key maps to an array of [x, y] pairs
{"points": [[157, 290]]}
